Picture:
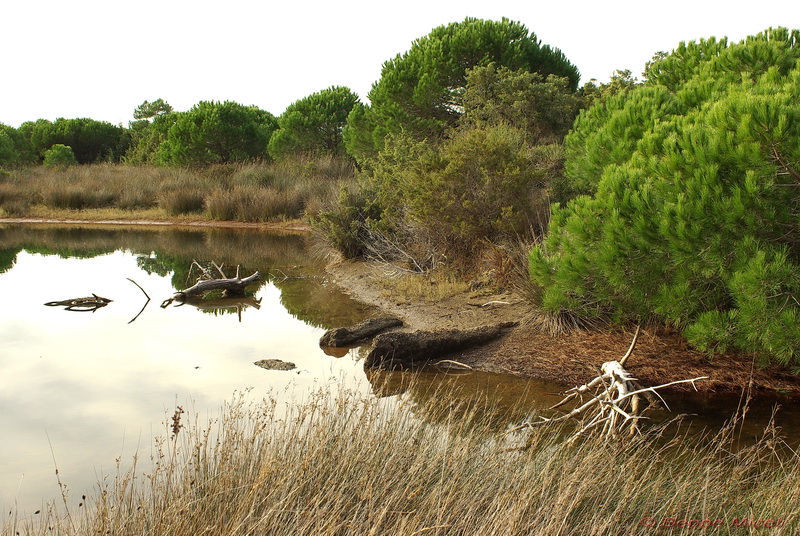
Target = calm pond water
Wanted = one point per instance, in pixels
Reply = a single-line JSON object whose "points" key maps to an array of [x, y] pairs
{"points": [[78, 390]]}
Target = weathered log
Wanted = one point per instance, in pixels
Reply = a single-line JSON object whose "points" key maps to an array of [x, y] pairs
{"points": [[367, 329], [91, 303], [233, 286], [406, 349]]}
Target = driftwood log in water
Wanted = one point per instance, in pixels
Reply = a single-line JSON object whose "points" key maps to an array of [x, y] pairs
{"points": [[231, 286], [364, 330], [406, 349], [91, 303]]}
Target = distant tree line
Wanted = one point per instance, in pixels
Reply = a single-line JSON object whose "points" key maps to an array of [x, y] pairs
{"points": [[209, 133]]}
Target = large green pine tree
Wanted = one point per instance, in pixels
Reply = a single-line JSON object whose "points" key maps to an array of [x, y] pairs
{"points": [[692, 216], [420, 91], [314, 124]]}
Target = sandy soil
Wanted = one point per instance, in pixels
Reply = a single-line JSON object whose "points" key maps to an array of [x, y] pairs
{"points": [[660, 356]]}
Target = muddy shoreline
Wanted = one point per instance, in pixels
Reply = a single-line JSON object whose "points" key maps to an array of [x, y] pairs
{"points": [[660, 357]]}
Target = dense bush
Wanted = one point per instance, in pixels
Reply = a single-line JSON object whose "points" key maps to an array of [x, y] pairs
{"points": [[693, 218], [485, 182], [91, 141], [59, 156]]}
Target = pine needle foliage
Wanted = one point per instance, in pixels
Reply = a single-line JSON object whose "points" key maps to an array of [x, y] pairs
{"points": [[682, 197]]}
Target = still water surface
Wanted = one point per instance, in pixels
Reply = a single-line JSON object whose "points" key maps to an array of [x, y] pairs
{"points": [[78, 390]]}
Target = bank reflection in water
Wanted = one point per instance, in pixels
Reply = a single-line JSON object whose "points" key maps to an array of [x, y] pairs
{"points": [[98, 386]]}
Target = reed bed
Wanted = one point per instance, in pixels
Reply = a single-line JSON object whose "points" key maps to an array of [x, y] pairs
{"points": [[254, 192], [340, 464]]}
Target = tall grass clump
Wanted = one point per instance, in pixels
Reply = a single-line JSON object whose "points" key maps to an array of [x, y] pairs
{"points": [[13, 202], [179, 202], [344, 464], [255, 204]]}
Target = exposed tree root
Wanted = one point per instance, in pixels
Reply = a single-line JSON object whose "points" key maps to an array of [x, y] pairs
{"points": [[614, 403]]}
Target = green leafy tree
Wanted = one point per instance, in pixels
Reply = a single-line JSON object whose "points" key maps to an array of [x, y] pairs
{"points": [[420, 92], [692, 217], [59, 156], [15, 147], [620, 82], [148, 134], [314, 124], [149, 110], [91, 141], [217, 133], [9, 155]]}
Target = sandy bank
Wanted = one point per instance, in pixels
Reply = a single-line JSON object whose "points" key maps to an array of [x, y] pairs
{"points": [[660, 356]]}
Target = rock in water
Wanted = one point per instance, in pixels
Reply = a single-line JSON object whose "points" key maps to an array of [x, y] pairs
{"points": [[275, 364]]}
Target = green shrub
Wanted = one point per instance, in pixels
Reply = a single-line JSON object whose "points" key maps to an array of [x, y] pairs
{"points": [[59, 156], [693, 217], [346, 226]]}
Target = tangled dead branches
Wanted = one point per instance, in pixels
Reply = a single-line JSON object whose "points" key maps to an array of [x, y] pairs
{"points": [[611, 402]]}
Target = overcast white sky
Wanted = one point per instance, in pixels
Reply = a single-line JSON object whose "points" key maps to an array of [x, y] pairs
{"points": [[102, 58]]}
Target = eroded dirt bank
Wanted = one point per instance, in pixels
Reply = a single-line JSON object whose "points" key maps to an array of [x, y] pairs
{"points": [[660, 356]]}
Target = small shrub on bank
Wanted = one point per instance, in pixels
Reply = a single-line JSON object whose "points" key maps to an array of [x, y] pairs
{"points": [[59, 156], [346, 226]]}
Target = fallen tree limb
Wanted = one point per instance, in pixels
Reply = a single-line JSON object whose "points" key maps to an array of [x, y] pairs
{"points": [[367, 329], [407, 349], [145, 303], [233, 286], [452, 362]]}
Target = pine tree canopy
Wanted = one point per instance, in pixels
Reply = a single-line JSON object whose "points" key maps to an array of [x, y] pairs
{"points": [[681, 200], [420, 91]]}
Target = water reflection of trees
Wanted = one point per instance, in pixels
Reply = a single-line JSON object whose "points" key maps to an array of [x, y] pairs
{"points": [[170, 251]]}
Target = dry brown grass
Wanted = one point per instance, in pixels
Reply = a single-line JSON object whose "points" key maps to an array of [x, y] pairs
{"points": [[342, 464], [427, 287], [248, 192]]}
